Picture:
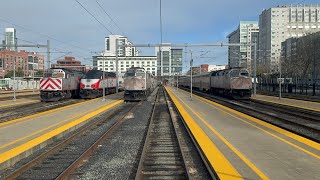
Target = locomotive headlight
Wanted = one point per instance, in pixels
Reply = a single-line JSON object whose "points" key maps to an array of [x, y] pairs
{"points": [[93, 86], [82, 86]]}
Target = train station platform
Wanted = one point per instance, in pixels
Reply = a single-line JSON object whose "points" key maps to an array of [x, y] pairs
{"points": [[21, 137], [309, 105], [239, 146], [18, 102]]}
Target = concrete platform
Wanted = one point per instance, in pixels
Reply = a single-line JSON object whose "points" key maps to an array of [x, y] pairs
{"points": [[20, 101], [20, 137], [315, 106], [239, 146]]}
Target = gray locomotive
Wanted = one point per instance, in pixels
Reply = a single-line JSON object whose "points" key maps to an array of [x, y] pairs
{"points": [[235, 82], [138, 84]]}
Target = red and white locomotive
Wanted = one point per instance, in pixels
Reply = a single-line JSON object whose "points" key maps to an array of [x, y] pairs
{"points": [[234, 82], [93, 82], [59, 83]]}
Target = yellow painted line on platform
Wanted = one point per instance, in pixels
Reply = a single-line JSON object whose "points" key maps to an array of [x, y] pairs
{"points": [[56, 124], [24, 147], [217, 160], [286, 104], [292, 99], [226, 142], [296, 137], [19, 103], [28, 118]]}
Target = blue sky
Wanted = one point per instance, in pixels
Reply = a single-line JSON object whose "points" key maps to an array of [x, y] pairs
{"points": [[184, 21]]}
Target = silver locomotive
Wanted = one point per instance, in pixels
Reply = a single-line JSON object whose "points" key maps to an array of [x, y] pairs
{"points": [[138, 84], [235, 82]]}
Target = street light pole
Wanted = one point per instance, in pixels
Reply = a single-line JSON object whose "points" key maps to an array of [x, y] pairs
{"points": [[191, 62]]}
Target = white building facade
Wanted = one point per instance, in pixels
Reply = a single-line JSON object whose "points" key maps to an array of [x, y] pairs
{"points": [[110, 46], [280, 23], [242, 56], [171, 61], [108, 63], [10, 36], [216, 67]]}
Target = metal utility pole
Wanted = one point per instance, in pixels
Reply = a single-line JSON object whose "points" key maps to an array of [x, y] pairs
{"points": [[191, 63], [48, 54], [280, 81], [103, 78], [255, 70], [14, 80], [117, 73], [33, 73]]}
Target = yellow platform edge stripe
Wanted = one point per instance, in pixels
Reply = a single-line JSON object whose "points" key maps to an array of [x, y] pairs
{"points": [[48, 127], [284, 132], [217, 160], [226, 142], [43, 113], [18, 103], [291, 99], [26, 146], [286, 104]]}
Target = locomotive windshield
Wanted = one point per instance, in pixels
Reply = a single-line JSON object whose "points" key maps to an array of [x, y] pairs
{"points": [[93, 75], [54, 73]]}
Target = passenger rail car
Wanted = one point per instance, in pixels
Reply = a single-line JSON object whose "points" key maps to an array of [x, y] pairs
{"points": [[234, 82], [59, 83], [93, 82], [138, 84]]}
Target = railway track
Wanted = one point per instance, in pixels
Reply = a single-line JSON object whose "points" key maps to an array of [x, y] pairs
{"points": [[60, 161], [18, 92], [162, 155], [14, 112], [7, 97], [303, 122]]}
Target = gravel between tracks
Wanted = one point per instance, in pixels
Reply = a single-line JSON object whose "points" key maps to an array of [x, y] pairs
{"points": [[116, 158]]}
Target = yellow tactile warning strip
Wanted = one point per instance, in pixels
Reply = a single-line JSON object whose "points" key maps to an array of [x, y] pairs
{"points": [[53, 125], [291, 135], [15, 121], [18, 103], [217, 160], [24, 147], [292, 105], [226, 142]]}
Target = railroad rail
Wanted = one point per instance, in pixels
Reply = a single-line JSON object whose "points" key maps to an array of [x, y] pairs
{"points": [[14, 112], [7, 97], [162, 155], [61, 160], [302, 122]]}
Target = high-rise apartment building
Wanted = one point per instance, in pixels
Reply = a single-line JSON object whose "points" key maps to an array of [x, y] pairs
{"points": [[10, 36], [242, 56], [280, 23], [171, 61], [110, 46]]}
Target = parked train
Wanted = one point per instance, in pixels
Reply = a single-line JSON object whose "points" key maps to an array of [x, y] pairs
{"points": [[93, 82], [235, 82], [138, 84], [59, 83]]}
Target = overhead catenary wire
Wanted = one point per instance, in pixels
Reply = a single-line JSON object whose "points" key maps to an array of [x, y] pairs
{"points": [[110, 17], [94, 17], [44, 35]]}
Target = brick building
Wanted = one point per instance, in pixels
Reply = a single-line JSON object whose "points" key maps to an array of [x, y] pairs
{"points": [[24, 61], [71, 63]]}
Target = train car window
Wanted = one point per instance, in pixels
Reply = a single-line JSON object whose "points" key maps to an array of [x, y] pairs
{"points": [[234, 73], [244, 73]]}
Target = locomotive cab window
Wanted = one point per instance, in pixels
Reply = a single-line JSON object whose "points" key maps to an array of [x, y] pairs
{"points": [[234, 73], [244, 73]]}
